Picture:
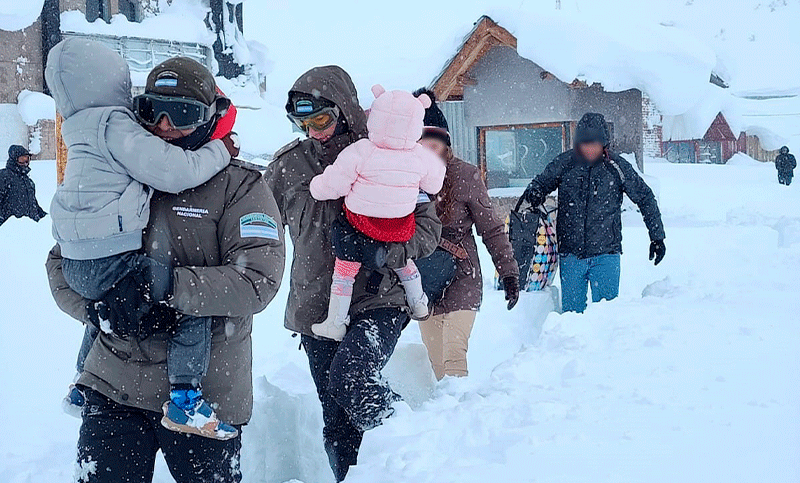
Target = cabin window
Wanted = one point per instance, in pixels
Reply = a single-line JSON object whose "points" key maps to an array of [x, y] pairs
{"points": [[510, 156], [695, 151]]}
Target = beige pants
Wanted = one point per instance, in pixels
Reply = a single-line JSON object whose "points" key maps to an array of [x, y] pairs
{"points": [[447, 338]]}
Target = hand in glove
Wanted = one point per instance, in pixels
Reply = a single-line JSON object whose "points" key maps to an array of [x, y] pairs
{"points": [[532, 196], [657, 250], [159, 319], [231, 141], [157, 280], [511, 287], [122, 307]]}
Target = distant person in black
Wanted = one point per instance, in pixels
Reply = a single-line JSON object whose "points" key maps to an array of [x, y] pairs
{"points": [[785, 164], [17, 191]]}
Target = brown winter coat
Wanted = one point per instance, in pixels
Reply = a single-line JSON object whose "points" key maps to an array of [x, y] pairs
{"points": [[465, 202], [309, 221], [218, 273]]}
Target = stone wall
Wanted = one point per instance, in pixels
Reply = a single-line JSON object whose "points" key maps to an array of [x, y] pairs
{"points": [[45, 129], [20, 62], [651, 129]]}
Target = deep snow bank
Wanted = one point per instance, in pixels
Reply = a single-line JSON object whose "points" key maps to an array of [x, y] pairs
{"points": [[691, 375]]}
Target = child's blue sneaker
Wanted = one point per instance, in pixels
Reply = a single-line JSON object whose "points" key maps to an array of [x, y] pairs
{"points": [[187, 412], [73, 402]]}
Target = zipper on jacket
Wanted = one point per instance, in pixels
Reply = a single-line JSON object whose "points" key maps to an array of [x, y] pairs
{"points": [[119, 219]]}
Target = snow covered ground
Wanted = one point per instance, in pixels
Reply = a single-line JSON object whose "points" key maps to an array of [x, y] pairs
{"points": [[692, 375]]}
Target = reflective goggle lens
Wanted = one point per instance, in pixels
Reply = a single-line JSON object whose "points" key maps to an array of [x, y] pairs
{"points": [[182, 113], [319, 122]]}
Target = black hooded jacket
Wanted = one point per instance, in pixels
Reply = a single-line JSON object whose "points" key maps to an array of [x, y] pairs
{"points": [[590, 196], [785, 162], [17, 191]]}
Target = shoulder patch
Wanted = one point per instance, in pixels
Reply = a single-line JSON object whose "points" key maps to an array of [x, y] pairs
{"points": [[286, 149], [258, 225]]}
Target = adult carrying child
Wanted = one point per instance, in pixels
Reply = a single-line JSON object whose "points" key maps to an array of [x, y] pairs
{"points": [[380, 178]]}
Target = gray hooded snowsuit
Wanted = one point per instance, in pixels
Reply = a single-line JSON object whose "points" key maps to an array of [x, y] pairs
{"points": [[113, 164]]}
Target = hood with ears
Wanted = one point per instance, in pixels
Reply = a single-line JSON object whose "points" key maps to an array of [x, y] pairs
{"points": [[83, 73], [396, 118]]}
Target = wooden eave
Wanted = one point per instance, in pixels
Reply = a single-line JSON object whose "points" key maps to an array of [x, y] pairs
{"points": [[486, 35]]}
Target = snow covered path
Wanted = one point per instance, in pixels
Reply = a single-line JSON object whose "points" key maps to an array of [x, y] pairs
{"points": [[692, 375]]}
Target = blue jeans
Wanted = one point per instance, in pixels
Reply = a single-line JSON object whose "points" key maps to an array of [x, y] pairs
{"points": [[601, 272]]}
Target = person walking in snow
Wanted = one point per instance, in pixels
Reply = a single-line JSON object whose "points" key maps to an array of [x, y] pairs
{"points": [[323, 102], [463, 203], [785, 164], [17, 190], [380, 178], [102, 206], [591, 182], [224, 242]]}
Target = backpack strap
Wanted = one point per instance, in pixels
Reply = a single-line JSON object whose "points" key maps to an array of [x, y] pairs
{"points": [[617, 169]]}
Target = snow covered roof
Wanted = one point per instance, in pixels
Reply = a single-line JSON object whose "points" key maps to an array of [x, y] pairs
{"points": [[776, 121], [669, 64], [485, 35], [179, 21]]}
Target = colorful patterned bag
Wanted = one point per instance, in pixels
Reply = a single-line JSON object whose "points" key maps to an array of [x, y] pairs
{"points": [[532, 233]]}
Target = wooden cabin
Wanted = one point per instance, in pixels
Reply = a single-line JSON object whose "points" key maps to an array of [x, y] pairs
{"points": [[511, 116], [717, 145]]}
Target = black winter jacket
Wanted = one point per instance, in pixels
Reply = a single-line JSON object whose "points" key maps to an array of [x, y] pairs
{"points": [[589, 202], [785, 163], [18, 193]]}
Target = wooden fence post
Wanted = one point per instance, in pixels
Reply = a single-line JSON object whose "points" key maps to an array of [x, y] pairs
{"points": [[61, 151]]}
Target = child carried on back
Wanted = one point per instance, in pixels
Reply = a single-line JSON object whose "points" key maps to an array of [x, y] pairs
{"points": [[103, 204], [380, 179]]}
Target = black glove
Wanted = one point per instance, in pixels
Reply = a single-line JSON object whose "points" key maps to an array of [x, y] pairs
{"points": [[353, 246], [532, 196], [157, 280], [657, 250], [511, 286], [125, 305], [160, 318]]}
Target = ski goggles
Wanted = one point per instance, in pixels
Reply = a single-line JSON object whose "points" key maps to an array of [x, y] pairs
{"points": [[182, 112], [318, 121]]}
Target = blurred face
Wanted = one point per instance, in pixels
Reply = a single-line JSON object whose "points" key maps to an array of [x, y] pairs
{"points": [[323, 135], [436, 145], [24, 160], [166, 131], [591, 151]]}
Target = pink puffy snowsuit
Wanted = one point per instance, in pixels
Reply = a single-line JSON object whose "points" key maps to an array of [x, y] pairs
{"points": [[380, 177]]}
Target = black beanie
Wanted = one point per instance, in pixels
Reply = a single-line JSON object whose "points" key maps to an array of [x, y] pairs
{"points": [[435, 122], [592, 128]]}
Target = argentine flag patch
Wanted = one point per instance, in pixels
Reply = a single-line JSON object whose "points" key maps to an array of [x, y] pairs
{"points": [[258, 225]]}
